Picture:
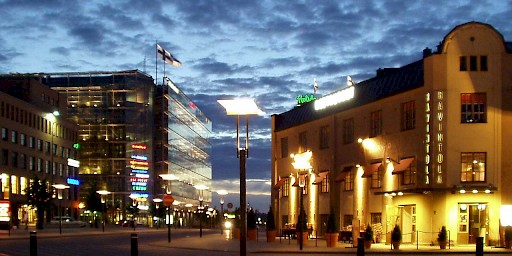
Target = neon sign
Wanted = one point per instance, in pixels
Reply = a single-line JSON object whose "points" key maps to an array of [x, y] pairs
{"points": [[439, 137], [137, 157], [335, 98], [139, 146], [5, 212], [301, 99], [427, 138], [73, 163], [72, 181]]}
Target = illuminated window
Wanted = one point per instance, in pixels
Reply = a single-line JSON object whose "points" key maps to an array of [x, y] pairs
{"points": [[14, 136], [286, 188], [40, 145], [473, 108], [23, 139], [5, 134], [303, 142], [324, 137], [376, 178], [324, 186], [31, 142], [375, 123], [31, 163], [24, 185], [284, 147], [14, 184], [40, 165], [473, 167], [349, 182], [305, 188], [348, 131], [408, 115], [47, 166]]}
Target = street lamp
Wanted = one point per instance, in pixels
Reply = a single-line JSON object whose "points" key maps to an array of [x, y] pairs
{"points": [[301, 162], [157, 202], [168, 177], [103, 193], [59, 188], [52, 117], [134, 204], [201, 188], [222, 193], [240, 107]]}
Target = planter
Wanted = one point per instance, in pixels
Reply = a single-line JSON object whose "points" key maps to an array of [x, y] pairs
{"points": [[271, 235], [236, 233], [252, 234], [367, 244], [304, 238], [442, 244], [331, 239], [396, 245]]}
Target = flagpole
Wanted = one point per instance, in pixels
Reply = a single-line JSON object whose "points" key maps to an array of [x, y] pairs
{"points": [[156, 62]]}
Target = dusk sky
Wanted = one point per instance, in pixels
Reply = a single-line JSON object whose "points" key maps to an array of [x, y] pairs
{"points": [[267, 50]]}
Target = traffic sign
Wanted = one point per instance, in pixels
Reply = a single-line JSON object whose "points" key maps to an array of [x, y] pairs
{"points": [[168, 200], [230, 205]]}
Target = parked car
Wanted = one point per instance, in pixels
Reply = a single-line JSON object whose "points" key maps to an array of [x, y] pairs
{"points": [[128, 223], [67, 221]]}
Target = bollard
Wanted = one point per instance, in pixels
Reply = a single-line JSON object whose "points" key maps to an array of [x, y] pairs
{"points": [[33, 243], [134, 246], [479, 246], [360, 246]]}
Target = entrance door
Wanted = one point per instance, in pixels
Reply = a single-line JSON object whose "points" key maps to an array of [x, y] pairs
{"points": [[408, 212], [477, 222]]}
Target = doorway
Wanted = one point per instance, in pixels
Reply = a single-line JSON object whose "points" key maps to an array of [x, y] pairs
{"points": [[478, 222]]}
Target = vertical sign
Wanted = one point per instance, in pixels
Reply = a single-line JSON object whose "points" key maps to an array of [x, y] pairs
{"points": [[427, 138], [439, 139]]}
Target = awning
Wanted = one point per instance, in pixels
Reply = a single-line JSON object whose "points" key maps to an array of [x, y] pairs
{"points": [[370, 169], [403, 165], [280, 183], [320, 177], [343, 174]]}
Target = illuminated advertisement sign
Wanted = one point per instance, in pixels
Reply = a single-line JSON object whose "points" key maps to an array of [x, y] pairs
{"points": [[5, 211], [137, 157], [139, 195], [72, 181], [73, 163], [301, 99], [335, 98], [139, 146]]}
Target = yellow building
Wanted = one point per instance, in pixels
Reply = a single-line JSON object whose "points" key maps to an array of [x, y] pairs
{"points": [[421, 146]]}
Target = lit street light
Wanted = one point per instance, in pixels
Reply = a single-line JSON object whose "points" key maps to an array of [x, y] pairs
{"points": [[222, 193], [240, 107], [201, 188], [301, 162], [103, 193], [59, 188], [168, 200]]}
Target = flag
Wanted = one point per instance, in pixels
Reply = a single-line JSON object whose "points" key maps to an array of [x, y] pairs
{"points": [[315, 85], [166, 56], [350, 81]]}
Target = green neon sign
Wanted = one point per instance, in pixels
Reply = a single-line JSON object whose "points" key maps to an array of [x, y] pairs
{"points": [[301, 99]]}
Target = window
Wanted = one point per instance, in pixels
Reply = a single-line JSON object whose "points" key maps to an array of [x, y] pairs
{"points": [[14, 162], [40, 165], [286, 188], [23, 161], [376, 217], [47, 166], [40, 145], [463, 66], [472, 63], [23, 139], [284, 147], [303, 142], [409, 174], [5, 134], [483, 63], [347, 220], [375, 123], [47, 146], [31, 163], [54, 149], [14, 184], [324, 186], [5, 156], [24, 185], [408, 116], [305, 188], [473, 108], [348, 131], [473, 167], [376, 178], [14, 136], [324, 137], [31, 142], [349, 182]]}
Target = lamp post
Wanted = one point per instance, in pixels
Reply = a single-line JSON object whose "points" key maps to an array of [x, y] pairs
{"points": [[301, 162], [59, 188], [201, 188], [134, 204], [157, 202], [240, 107], [103, 193], [222, 193], [168, 200]]}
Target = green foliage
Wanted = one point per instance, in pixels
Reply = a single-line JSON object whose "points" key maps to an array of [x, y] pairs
{"points": [[39, 195], [331, 224], [396, 234], [238, 221], [271, 222], [368, 233], [508, 233], [93, 199], [251, 219], [302, 222], [442, 236]]}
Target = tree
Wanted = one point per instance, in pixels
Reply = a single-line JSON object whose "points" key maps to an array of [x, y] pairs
{"points": [[39, 195], [93, 201]]}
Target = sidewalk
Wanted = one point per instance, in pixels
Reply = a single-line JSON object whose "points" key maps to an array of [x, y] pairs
{"points": [[218, 242]]}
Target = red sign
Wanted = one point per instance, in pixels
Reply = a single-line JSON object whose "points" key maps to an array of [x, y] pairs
{"points": [[168, 200]]}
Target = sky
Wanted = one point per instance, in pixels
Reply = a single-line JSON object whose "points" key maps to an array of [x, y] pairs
{"points": [[266, 50]]}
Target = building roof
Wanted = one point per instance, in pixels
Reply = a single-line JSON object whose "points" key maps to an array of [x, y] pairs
{"points": [[387, 83]]}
